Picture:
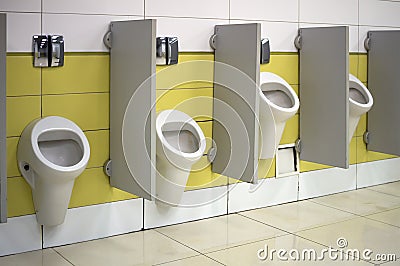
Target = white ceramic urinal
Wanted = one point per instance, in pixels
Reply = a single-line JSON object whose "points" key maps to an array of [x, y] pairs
{"points": [[52, 152], [360, 102], [180, 144], [282, 100]]}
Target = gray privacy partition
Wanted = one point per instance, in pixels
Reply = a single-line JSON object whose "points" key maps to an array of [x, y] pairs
{"points": [[324, 96], [132, 102], [384, 85], [236, 101], [3, 134]]}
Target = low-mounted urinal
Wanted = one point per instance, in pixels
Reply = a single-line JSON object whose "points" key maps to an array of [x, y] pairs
{"points": [[52, 152], [180, 144], [360, 102], [278, 96]]}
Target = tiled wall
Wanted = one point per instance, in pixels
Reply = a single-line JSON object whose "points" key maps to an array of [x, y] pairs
{"points": [[80, 89]]}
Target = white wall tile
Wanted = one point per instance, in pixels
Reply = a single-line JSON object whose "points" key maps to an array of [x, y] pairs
{"points": [[20, 29], [193, 34], [20, 5], [268, 192], [96, 221], [380, 13], [363, 31], [188, 8], [329, 11], [82, 33], [327, 181], [378, 172], [20, 234], [195, 205], [281, 34], [353, 34], [115, 7], [272, 10]]}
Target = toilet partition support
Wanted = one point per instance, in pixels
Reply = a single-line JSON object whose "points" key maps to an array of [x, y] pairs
{"points": [[3, 133], [236, 101], [132, 106], [383, 129], [324, 112]]}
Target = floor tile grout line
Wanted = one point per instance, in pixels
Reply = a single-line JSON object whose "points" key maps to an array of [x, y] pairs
{"points": [[200, 253], [386, 193], [360, 215], [63, 256]]}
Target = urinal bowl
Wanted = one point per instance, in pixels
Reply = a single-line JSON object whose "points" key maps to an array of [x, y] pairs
{"points": [[52, 152], [360, 102], [278, 103], [180, 144]]}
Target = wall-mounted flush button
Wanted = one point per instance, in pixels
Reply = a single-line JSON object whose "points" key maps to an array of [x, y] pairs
{"points": [[167, 51], [265, 51], [48, 50]]}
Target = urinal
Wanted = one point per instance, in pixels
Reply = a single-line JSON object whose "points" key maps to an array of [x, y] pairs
{"points": [[278, 96], [52, 152], [360, 102], [180, 144]]}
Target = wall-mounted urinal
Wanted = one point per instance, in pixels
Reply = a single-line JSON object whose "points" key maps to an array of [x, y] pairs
{"points": [[52, 152], [180, 144], [360, 102], [278, 95]]}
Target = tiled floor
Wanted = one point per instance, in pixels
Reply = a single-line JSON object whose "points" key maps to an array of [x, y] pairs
{"points": [[364, 219]]}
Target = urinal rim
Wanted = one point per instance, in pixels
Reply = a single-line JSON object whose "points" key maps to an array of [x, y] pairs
{"points": [[272, 78], [44, 126], [363, 89], [161, 120]]}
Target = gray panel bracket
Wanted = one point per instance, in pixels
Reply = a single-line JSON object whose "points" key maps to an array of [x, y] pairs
{"points": [[367, 43], [108, 168], [297, 145], [366, 137], [298, 42], [212, 152], [213, 41], [107, 40]]}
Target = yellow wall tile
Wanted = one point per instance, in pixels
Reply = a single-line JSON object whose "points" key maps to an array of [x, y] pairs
{"points": [[284, 65], [22, 77], [266, 168], [291, 131], [362, 126], [194, 70], [19, 197], [202, 177], [310, 166], [206, 127], [89, 111], [353, 64], [93, 187], [363, 155], [362, 67], [12, 166], [80, 73], [353, 151], [197, 103], [296, 89], [21, 111], [99, 142]]}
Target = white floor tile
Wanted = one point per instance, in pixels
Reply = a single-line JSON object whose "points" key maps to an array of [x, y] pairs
{"points": [[391, 217], [361, 202], [193, 261], [390, 188], [141, 248], [46, 257], [250, 254], [359, 233], [220, 232], [298, 216]]}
